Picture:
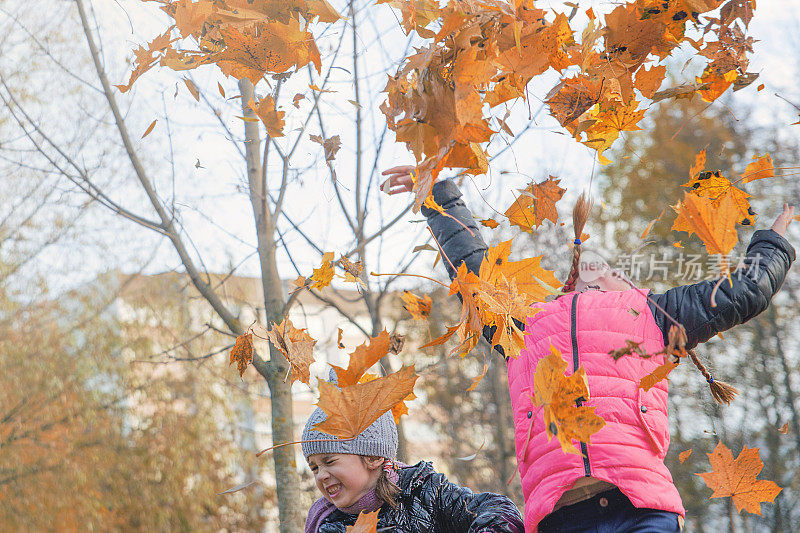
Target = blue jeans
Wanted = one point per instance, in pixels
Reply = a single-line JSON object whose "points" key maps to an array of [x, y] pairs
{"points": [[609, 512]]}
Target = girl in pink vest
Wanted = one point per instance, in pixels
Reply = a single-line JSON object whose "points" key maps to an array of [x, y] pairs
{"points": [[619, 483]]}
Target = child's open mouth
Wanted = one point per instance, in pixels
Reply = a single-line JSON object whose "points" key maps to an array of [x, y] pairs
{"points": [[333, 490]]}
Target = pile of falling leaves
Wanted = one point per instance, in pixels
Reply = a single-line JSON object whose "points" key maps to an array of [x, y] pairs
{"points": [[444, 104]]}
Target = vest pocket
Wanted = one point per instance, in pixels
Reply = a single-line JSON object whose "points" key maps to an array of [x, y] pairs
{"points": [[653, 420]]}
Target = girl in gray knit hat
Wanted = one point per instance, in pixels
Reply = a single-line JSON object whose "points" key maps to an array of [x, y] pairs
{"points": [[360, 474]]}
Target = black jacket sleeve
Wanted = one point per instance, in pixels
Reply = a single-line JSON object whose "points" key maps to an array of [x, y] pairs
{"points": [[458, 244], [460, 509], [764, 268]]}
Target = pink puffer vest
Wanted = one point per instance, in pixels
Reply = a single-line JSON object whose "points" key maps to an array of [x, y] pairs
{"points": [[629, 450]]}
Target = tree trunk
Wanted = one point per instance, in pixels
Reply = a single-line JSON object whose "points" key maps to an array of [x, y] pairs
{"points": [[274, 371]]}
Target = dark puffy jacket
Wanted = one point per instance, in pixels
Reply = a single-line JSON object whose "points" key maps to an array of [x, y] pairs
{"points": [[428, 503], [766, 264]]}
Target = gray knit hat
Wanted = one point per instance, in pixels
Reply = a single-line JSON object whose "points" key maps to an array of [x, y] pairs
{"points": [[378, 440]]}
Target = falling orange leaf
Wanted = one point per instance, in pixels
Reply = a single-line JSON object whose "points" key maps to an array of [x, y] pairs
{"points": [[657, 375], [398, 410], [297, 347], [784, 428], [192, 88], [737, 478], [684, 455], [149, 128], [699, 164], [221, 90], [761, 167], [716, 226], [296, 100], [366, 523], [362, 358], [331, 145], [649, 226], [648, 81], [270, 116], [558, 395], [323, 275], [760, 87], [353, 408], [419, 307], [478, 378], [242, 352], [536, 203], [490, 223], [677, 244], [530, 277]]}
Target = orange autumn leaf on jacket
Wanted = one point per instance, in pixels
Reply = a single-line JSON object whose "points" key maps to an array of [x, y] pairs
{"points": [[353, 408], [736, 478], [362, 358], [536, 203], [366, 523], [419, 307], [242, 352], [297, 347], [716, 226], [659, 374], [558, 393]]}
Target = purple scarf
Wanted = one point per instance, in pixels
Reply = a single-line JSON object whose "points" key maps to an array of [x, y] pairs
{"points": [[368, 502]]}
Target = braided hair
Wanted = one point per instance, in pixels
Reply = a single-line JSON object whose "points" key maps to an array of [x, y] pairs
{"points": [[579, 217]]}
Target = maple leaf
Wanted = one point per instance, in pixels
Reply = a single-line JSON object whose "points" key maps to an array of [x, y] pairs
{"points": [[760, 168], [659, 374], [323, 275], [714, 186], [716, 82], [419, 307], [630, 348], [737, 478], [297, 347], [648, 81], [489, 223], [366, 523], [558, 395], [716, 226], [270, 116], [362, 358], [242, 352], [529, 276], [331, 145], [536, 203], [398, 410], [353, 408]]}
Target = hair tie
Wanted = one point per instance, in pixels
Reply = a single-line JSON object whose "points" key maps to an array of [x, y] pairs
{"points": [[577, 241], [710, 379], [388, 466]]}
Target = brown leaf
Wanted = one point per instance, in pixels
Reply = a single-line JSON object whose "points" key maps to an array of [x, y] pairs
{"points": [[353, 408], [297, 347], [737, 479], [331, 145], [242, 352], [396, 343]]}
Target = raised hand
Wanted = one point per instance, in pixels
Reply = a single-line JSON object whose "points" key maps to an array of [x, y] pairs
{"points": [[399, 179], [783, 220]]}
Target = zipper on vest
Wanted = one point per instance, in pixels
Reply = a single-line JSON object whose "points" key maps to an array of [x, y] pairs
{"points": [[575, 364]]}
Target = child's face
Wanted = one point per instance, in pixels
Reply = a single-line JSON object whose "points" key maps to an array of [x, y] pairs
{"points": [[343, 478]]}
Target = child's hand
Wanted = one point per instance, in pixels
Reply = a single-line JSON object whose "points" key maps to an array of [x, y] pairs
{"points": [[783, 220], [399, 179]]}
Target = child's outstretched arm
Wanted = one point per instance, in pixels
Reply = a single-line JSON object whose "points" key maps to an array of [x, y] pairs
{"points": [[458, 244], [766, 264]]}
